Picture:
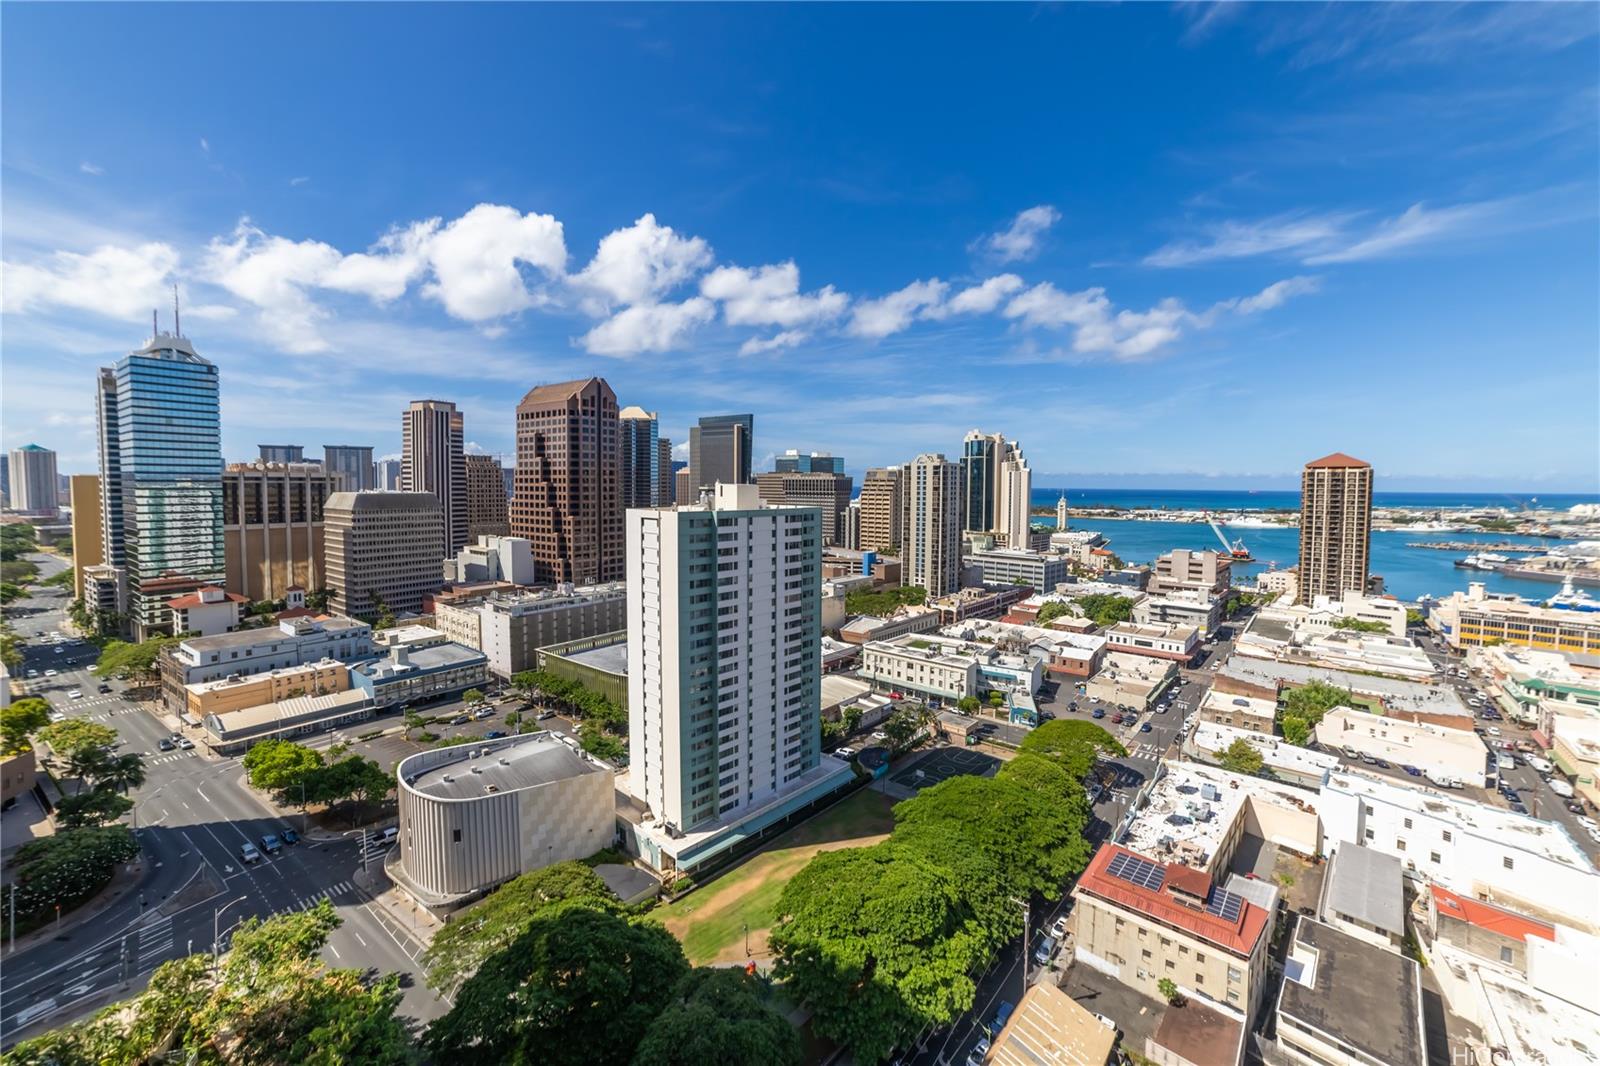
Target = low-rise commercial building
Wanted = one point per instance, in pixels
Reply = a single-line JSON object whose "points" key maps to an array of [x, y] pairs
{"points": [[512, 628], [1472, 848], [1198, 815], [1049, 1026], [1065, 654], [1283, 585], [292, 642], [866, 627], [1537, 687], [946, 668], [477, 815], [1206, 573], [1438, 751], [1345, 1002], [1483, 930], [1575, 750], [414, 674], [1241, 712], [235, 732], [1180, 608], [979, 602], [1476, 618], [1412, 701], [883, 570], [496, 558], [1176, 642], [599, 664], [1135, 681], [1011, 566], [1142, 922], [1363, 895], [1209, 741], [237, 692]]}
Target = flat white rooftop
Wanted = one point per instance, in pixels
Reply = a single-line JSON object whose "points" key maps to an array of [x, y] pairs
{"points": [[1277, 753], [1505, 827], [1193, 806]]}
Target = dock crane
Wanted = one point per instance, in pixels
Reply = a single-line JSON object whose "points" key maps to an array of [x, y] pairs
{"points": [[1236, 549]]}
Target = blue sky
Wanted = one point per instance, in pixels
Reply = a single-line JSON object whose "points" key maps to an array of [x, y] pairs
{"points": [[1198, 243]]}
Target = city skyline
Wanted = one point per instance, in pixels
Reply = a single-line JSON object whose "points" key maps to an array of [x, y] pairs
{"points": [[1237, 253]]}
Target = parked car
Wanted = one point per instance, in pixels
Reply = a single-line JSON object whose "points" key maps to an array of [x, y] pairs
{"points": [[461, 719], [185, 743], [75, 694], [1046, 948], [271, 844], [1059, 928], [1098, 713], [165, 745], [1381, 764], [1516, 805], [289, 836], [845, 752], [249, 854], [1145, 728], [1412, 770], [1574, 806], [1002, 1015], [881, 737], [104, 688], [483, 712], [544, 714], [389, 834], [50, 673], [1494, 731], [495, 734], [979, 1052]]}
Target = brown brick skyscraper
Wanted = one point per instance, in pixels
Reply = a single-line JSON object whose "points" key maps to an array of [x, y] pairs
{"points": [[568, 498]]}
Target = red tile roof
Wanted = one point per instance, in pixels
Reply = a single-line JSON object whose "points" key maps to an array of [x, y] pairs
{"points": [[184, 603], [1488, 916], [1338, 459], [1239, 937]]}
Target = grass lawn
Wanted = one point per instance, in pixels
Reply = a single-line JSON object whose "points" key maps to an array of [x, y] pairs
{"points": [[711, 921]]}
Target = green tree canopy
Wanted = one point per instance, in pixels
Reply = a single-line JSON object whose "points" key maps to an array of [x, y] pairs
{"points": [[280, 765], [1041, 774], [10, 592], [95, 807], [1073, 744], [66, 868], [1241, 757], [580, 986], [1359, 625], [1106, 609], [22, 719], [884, 601], [134, 661], [273, 1002], [1302, 707], [878, 942], [1000, 839], [74, 735], [722, 1016], [1052, 610], [459, 948]]}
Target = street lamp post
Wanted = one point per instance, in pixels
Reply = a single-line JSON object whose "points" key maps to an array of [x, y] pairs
{"points": [[216, 935], [1026, 915]]}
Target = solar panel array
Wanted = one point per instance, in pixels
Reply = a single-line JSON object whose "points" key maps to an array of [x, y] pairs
{"points": [[1224, 904], [1137, 871]]}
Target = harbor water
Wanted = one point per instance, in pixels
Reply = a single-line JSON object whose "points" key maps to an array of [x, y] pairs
{"points": [[1408, 573]]}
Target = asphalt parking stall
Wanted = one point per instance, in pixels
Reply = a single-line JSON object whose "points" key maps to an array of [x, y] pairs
{"points": [[944, 763]]}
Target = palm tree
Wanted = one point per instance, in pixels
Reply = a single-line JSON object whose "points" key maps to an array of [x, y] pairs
{"points": [[88, 762], [121, 773]]}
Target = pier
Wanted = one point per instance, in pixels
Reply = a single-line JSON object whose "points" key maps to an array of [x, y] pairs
{"points": [[1476, 546]]}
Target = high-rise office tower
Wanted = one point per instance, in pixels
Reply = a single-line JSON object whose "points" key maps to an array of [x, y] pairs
{"points": [[719, 450], [826, 491], [1014, 487], [980, 476], [930, 523], [161, 476], [34, 486], [666, 485], [724, 630], [641, 458], [881, 507], [569, 482], [83, 494], [383, 550], [486, 498], [850, 535], [387, 474], [273, 527], [432, 460], [1335, 526], [352, 465], [282, 453], [795, 462], [509, 475]]}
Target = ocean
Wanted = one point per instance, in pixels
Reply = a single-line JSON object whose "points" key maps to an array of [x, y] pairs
{"points": [[1214, 500], [1408, 573]]}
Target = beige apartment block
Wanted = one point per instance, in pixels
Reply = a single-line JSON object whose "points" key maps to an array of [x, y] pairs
{"points": [[239, 692], [1335, 527], [880, 509], [87, 547]]}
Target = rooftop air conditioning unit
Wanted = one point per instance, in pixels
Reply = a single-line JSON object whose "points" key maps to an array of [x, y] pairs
{"points": [[505, 762], [477, 769], [447, 779]]}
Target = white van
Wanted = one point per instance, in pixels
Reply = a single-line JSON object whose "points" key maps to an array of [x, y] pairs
{"points": [[1561, 788], [1541, 765]]}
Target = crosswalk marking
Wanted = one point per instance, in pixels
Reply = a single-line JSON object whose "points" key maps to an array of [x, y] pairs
{"points": [[155, 938]]}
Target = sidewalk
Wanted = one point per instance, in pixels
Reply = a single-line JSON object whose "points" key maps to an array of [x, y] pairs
{"points": [[408, 915]]}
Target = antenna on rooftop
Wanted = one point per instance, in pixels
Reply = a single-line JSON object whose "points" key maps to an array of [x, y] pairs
{"points": [[155, 326], [177, 329]]}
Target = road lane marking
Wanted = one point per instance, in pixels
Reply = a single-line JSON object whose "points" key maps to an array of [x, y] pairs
{"points": [[335, 952], [359, 938]]}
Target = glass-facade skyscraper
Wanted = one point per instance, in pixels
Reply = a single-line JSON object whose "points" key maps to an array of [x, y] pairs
{"points": [[161, 446]]}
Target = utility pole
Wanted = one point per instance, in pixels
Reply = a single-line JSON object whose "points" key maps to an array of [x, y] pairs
{"points": [[1026, 916]]}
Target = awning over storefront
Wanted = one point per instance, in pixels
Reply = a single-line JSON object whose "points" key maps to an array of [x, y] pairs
{"points": [[1540, 739]]}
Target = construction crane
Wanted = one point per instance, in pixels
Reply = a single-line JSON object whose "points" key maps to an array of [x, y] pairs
{"points": [[1237, 549]]}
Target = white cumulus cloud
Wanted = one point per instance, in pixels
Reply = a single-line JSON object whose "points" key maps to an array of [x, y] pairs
{"points": [[787, 339], [1023, 238], [112, 281], [894, 312], [642, 262], [649, 327], [477, 261], [770, 296], [980, 299]]}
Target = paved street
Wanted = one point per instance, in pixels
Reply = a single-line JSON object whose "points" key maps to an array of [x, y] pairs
{"points": [[193, 813]]}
